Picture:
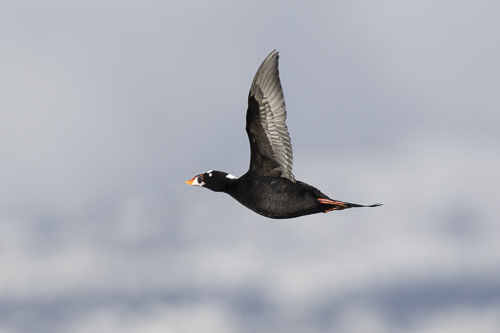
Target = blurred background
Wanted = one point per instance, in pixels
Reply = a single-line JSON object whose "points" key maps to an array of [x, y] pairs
{"points": [[106, 107]]}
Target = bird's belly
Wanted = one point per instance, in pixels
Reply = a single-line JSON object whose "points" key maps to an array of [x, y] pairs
{"points": [[279, 203], [279, 207]]}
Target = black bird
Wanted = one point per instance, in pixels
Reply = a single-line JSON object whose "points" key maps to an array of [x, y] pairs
{"points": [[269, 187]]}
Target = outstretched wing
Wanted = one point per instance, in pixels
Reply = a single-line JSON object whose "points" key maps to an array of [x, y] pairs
{"points": [[270, 145]]}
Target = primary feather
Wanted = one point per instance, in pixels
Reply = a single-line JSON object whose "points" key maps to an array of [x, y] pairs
{"points": [[271, 151]]}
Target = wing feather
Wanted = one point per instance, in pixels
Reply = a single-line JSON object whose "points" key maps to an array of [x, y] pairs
{"points": [[271, 148]]}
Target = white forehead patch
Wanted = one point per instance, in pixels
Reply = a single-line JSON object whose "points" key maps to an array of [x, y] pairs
{"points": [[230, 176]]}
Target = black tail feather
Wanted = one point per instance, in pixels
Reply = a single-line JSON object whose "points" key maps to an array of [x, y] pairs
{"points": [[350, 205]]}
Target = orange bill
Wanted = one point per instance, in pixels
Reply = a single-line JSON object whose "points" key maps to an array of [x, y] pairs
{"points": [[190, 182]]}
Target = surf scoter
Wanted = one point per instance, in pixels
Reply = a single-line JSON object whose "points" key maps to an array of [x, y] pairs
{"points": [[269, 187]]}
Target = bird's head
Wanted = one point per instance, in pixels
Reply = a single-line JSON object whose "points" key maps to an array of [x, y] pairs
{"points": [[214, 180]]}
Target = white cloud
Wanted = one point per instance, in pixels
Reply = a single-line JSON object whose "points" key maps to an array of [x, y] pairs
{"points": [[157, 318]]}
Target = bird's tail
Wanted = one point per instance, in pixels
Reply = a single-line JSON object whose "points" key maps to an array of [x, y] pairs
{"points": [[339, 205], [350, 205]]}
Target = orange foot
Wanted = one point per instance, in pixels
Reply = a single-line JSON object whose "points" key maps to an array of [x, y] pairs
{"points": [[337, 205]]}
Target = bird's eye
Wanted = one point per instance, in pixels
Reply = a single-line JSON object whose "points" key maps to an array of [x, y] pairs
{"points": [[200, 179]]}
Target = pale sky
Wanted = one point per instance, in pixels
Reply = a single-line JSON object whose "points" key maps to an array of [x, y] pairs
{"points": [[108, 106]]}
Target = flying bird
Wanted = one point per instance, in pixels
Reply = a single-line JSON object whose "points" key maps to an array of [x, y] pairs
{"points": [[268, 187]]}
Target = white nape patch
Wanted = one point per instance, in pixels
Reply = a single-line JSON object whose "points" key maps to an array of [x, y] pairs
{"points": [[209, 171], [231, 176]]}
